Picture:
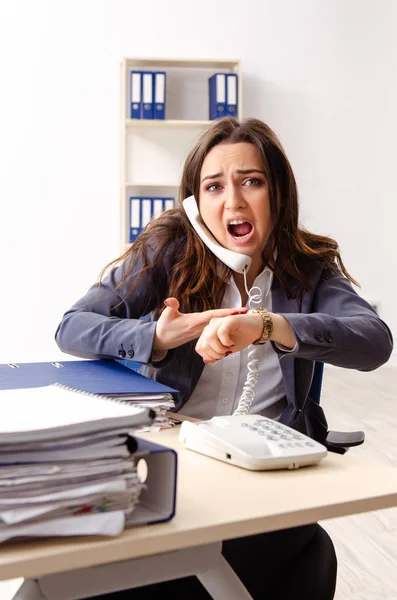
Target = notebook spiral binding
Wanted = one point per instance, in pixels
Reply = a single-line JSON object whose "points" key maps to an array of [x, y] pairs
{"points": [[70, 388]]}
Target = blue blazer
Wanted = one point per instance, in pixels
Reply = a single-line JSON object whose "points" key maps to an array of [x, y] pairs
{"points": [[332, 324]]}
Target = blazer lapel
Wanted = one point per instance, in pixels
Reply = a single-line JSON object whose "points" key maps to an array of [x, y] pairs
{"points": [[282, 304]]}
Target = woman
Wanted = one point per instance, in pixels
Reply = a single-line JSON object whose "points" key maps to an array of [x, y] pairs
{"points": [[193, 340]]}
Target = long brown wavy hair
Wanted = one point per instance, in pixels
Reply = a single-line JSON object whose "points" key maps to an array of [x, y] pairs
{"points": [[194, 278]]}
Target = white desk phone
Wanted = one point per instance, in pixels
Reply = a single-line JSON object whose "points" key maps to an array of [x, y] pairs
{"points": [[250, 441]]}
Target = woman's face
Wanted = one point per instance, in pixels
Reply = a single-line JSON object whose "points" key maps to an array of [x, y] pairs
{"points": [[234, 199]]}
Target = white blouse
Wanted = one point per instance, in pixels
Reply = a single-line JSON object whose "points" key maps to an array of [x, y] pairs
{"points": [[219, 388]]}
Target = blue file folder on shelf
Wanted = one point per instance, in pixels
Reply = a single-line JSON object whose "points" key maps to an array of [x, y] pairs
{"points": [[140, 215], [147, 95], [135, 94], [160, 205], [143, 209], [217, 96], [159, 83], [231, 95]]}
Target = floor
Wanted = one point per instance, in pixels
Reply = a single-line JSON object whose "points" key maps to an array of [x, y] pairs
{"points": [[366, 544]]}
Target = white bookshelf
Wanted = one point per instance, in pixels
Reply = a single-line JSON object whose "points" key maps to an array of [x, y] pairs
{"points": [[145, 184], [153, 152], [170, 123]]}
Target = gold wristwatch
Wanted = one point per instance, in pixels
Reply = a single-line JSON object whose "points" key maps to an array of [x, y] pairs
{"points": [[267, 325]]}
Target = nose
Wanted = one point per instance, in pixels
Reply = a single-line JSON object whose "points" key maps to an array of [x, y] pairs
{"points": [[234, 198]]}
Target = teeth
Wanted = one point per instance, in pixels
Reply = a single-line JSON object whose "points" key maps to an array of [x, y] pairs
{"points": [[236, 222]]}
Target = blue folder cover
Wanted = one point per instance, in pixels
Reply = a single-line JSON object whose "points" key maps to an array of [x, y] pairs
{"points": [[135, 94], [159, 83], [96, 376], [217, 96], [231, 95], [147, 95]]}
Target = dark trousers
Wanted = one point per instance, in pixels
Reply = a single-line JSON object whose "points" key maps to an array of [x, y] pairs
{"points": [[293, 563]]}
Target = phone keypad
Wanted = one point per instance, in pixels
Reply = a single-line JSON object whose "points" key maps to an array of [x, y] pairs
{"points": [[276, 432]]}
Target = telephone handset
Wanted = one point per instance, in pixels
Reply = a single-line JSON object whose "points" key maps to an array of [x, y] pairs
{"points": [[234, 260]]}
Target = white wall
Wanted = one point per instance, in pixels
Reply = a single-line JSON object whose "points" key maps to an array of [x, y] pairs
{"points": [[321, 73]]}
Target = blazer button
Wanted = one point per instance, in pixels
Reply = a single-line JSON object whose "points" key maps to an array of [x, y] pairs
{"points": [[318, 336], [121, 353], [131, 353], [328, 338]]}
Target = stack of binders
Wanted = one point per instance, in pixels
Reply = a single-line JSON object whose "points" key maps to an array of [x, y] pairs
{"points": [[147, 94], [143, 209], [66, 460], [223, 95]]}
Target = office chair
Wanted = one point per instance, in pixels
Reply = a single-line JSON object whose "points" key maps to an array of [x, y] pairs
{"points": [[335, 441]]}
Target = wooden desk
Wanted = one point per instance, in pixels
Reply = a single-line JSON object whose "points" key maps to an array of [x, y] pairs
{"points": [[215, 502]]}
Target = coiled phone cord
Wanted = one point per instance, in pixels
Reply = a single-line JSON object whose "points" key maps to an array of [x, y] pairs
{"points": [[248, 394]]}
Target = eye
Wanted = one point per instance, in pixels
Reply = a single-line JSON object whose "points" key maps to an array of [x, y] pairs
{"points": [[252, 182], [213, 187]]}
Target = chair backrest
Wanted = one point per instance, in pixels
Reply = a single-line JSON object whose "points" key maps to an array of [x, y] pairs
{"points": [[315, 389]]}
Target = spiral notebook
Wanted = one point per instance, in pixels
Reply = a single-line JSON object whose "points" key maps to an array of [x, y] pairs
{"points": [[56, 412]]}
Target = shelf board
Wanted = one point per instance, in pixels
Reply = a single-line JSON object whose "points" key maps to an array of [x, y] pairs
{"points": [[189, 63], [152, 184], [166, 123]]}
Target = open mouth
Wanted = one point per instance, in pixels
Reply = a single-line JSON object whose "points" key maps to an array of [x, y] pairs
{"points": [[239, 229]]}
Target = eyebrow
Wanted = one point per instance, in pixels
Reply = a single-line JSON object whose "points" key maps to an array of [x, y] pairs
{"points": [[239, 171]]}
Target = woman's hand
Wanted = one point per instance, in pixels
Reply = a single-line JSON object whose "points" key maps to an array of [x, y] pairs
{"points": [[231, 334], [175, 328]]}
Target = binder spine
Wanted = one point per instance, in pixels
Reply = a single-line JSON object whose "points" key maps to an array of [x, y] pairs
{"points": [[135, 218], [135, 94], [231, 95], [169, 203], [159, 81], [147, 95], [217, 96]]}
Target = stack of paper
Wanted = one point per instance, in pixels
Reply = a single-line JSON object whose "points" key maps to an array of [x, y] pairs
{"points": [[66, 462], [159, 403], [116, 379]]}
